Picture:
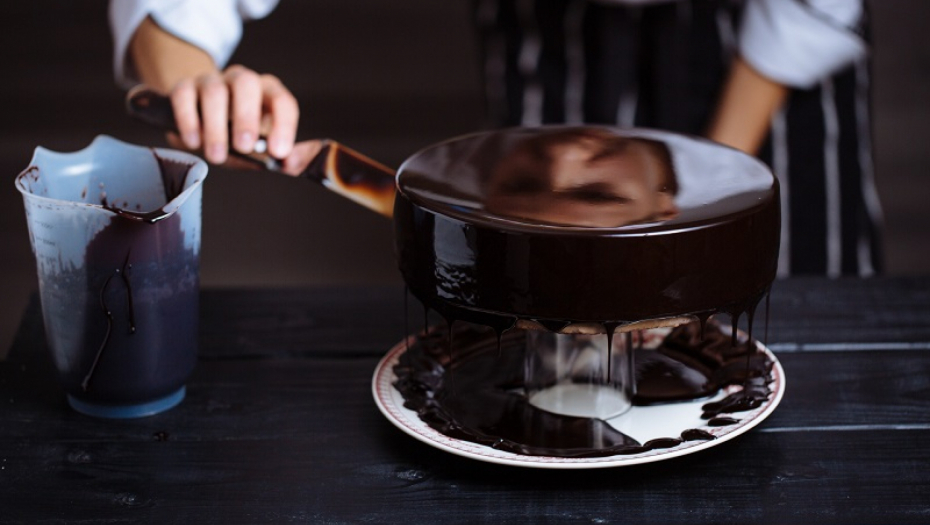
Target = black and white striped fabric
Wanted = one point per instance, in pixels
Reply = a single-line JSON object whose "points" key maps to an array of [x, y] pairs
{"points": [[662, 66]]}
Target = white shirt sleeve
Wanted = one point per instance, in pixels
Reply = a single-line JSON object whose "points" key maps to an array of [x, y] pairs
{"points": [[212, 25], [800, 42]]}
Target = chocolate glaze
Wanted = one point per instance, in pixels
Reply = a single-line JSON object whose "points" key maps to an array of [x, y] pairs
{"points": [[173, 177], [698, 237], [486, 404]]}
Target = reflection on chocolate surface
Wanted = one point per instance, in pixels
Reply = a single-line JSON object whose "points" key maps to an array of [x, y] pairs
{"points": [[475, 391], [583, 177], [600, 166]]}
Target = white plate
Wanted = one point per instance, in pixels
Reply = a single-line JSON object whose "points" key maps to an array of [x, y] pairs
{"points": [[640, 423]]}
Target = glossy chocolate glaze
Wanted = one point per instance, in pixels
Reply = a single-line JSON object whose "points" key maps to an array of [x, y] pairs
{"points": [[475, 392], [583, 224]]}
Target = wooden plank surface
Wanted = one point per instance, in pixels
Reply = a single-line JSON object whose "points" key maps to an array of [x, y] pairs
{"points": [[806, 313], [267, 398], [279, 426], [786, 478]]}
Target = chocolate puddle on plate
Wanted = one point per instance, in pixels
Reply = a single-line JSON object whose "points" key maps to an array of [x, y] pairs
{"points": [[477, 394]]}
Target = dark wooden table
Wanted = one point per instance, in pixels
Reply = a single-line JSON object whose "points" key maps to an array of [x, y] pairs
{"points": [[279, 426]]}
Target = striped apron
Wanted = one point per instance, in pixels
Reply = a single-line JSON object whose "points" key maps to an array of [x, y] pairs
{"points": [[662, 66]]}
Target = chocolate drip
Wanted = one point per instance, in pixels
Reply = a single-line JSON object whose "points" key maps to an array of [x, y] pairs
{"points": [[502, 329], [768, 302], [488, 405], [406, 315], [425, 319], [85, 384], [702, 319], [123, 273], [131, 308], [751, 314], [609, 329], [631, 365]]}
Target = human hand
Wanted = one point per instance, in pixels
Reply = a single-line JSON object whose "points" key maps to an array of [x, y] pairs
{"points": [[234, 107]]}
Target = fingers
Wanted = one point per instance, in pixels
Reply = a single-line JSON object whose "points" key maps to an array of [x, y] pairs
{"points": [[219, 110], [214, 114], [187, 118], [246, 106], [281, 105], [300, 156]]}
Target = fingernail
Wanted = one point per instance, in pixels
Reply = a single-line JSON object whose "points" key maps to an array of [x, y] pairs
{"points": [[216, 153], [192, 140], [245, 141], [278, 148]]}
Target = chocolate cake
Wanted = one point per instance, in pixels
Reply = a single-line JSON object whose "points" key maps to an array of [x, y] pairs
{"points": [[582, 229], [564, 226]]}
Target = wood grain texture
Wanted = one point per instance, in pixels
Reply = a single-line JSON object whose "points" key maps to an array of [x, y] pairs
{"points": [[760, 478], [279, 426], [253, 399], [367, 321]]}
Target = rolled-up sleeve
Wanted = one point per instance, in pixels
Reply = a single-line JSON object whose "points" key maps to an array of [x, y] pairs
{"points": [[212, 25], [800, 42]]}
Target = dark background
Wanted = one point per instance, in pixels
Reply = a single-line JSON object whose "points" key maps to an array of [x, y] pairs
{"points": [[386, 77]]}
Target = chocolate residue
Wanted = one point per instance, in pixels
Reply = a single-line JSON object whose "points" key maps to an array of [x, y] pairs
{"points": [[124, 275], [173, 176], [145, 279], [478, 396], [85, 384], [31, 173]]}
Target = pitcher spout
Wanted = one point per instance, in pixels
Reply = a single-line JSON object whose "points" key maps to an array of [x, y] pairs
{"points": [[134, 182], [83, 192]]}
